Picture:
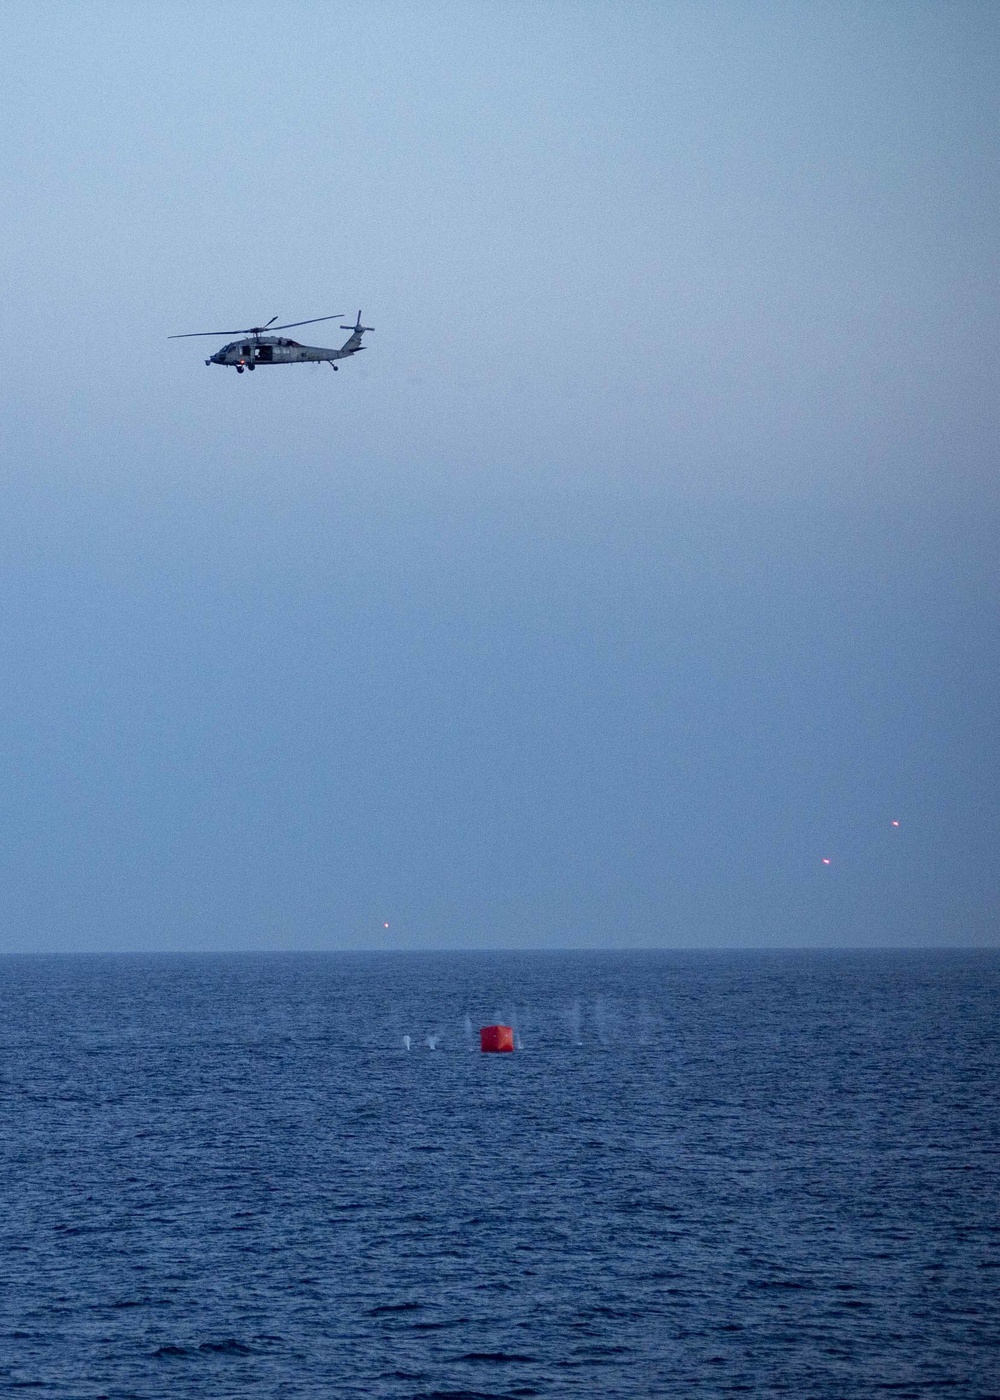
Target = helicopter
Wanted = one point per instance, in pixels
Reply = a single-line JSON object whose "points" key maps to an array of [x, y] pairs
{"points": [[255, 348]]}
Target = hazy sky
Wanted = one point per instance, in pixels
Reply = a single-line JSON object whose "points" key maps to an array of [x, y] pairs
{"points": [[645, 561]]}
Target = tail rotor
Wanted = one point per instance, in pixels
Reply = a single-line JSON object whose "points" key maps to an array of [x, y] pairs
{"points": [[358, 328]]}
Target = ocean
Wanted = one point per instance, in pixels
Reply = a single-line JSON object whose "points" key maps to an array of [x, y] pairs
{"points": [[699, 1174]]}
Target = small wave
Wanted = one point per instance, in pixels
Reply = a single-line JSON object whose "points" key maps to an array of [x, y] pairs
{"points": [[593, 1356], [394, 1308], [228, 1347], [464, 1395], [497, 1356]]}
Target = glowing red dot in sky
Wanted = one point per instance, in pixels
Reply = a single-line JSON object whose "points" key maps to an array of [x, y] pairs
{"points": [[385, 925], [826, 860], [895, 823]]}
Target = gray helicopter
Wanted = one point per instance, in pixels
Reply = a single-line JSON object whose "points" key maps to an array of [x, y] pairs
{"points": [[255, 348]]}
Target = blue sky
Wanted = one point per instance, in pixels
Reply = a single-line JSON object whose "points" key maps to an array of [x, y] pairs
{"points": [[645, 559]]}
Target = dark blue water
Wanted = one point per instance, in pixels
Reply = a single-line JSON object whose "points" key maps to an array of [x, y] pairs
{"points": [[700, 1174]]}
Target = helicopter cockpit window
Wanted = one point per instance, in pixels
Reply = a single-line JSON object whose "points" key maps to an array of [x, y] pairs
{"points": [[244, 349]]}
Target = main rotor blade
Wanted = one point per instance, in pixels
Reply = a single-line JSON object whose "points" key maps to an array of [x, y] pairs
{"points": [[311, 322], [189, 334], [256, 330], [245, 330]]}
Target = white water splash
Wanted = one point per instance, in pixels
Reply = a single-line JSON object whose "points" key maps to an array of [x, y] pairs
{"points": [[601, 1019], [518, 1041]]}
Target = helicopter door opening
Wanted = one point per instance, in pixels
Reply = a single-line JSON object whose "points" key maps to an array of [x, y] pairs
{"points": [[264, 354]]}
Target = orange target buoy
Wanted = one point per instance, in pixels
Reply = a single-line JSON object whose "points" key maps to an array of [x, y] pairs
{"points": [[493, 1039]]}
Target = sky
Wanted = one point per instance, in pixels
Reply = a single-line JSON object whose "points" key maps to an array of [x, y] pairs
{"points": [[637, 587]]}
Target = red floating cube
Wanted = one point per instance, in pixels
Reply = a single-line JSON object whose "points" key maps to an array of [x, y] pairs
{"points": [[493, 1039]]}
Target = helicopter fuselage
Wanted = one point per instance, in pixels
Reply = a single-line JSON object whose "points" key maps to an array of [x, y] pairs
{"points": [[274, 350]]}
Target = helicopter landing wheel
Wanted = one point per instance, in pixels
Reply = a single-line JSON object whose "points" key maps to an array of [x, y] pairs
{"points": [[335, 368], [239, 369]]}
